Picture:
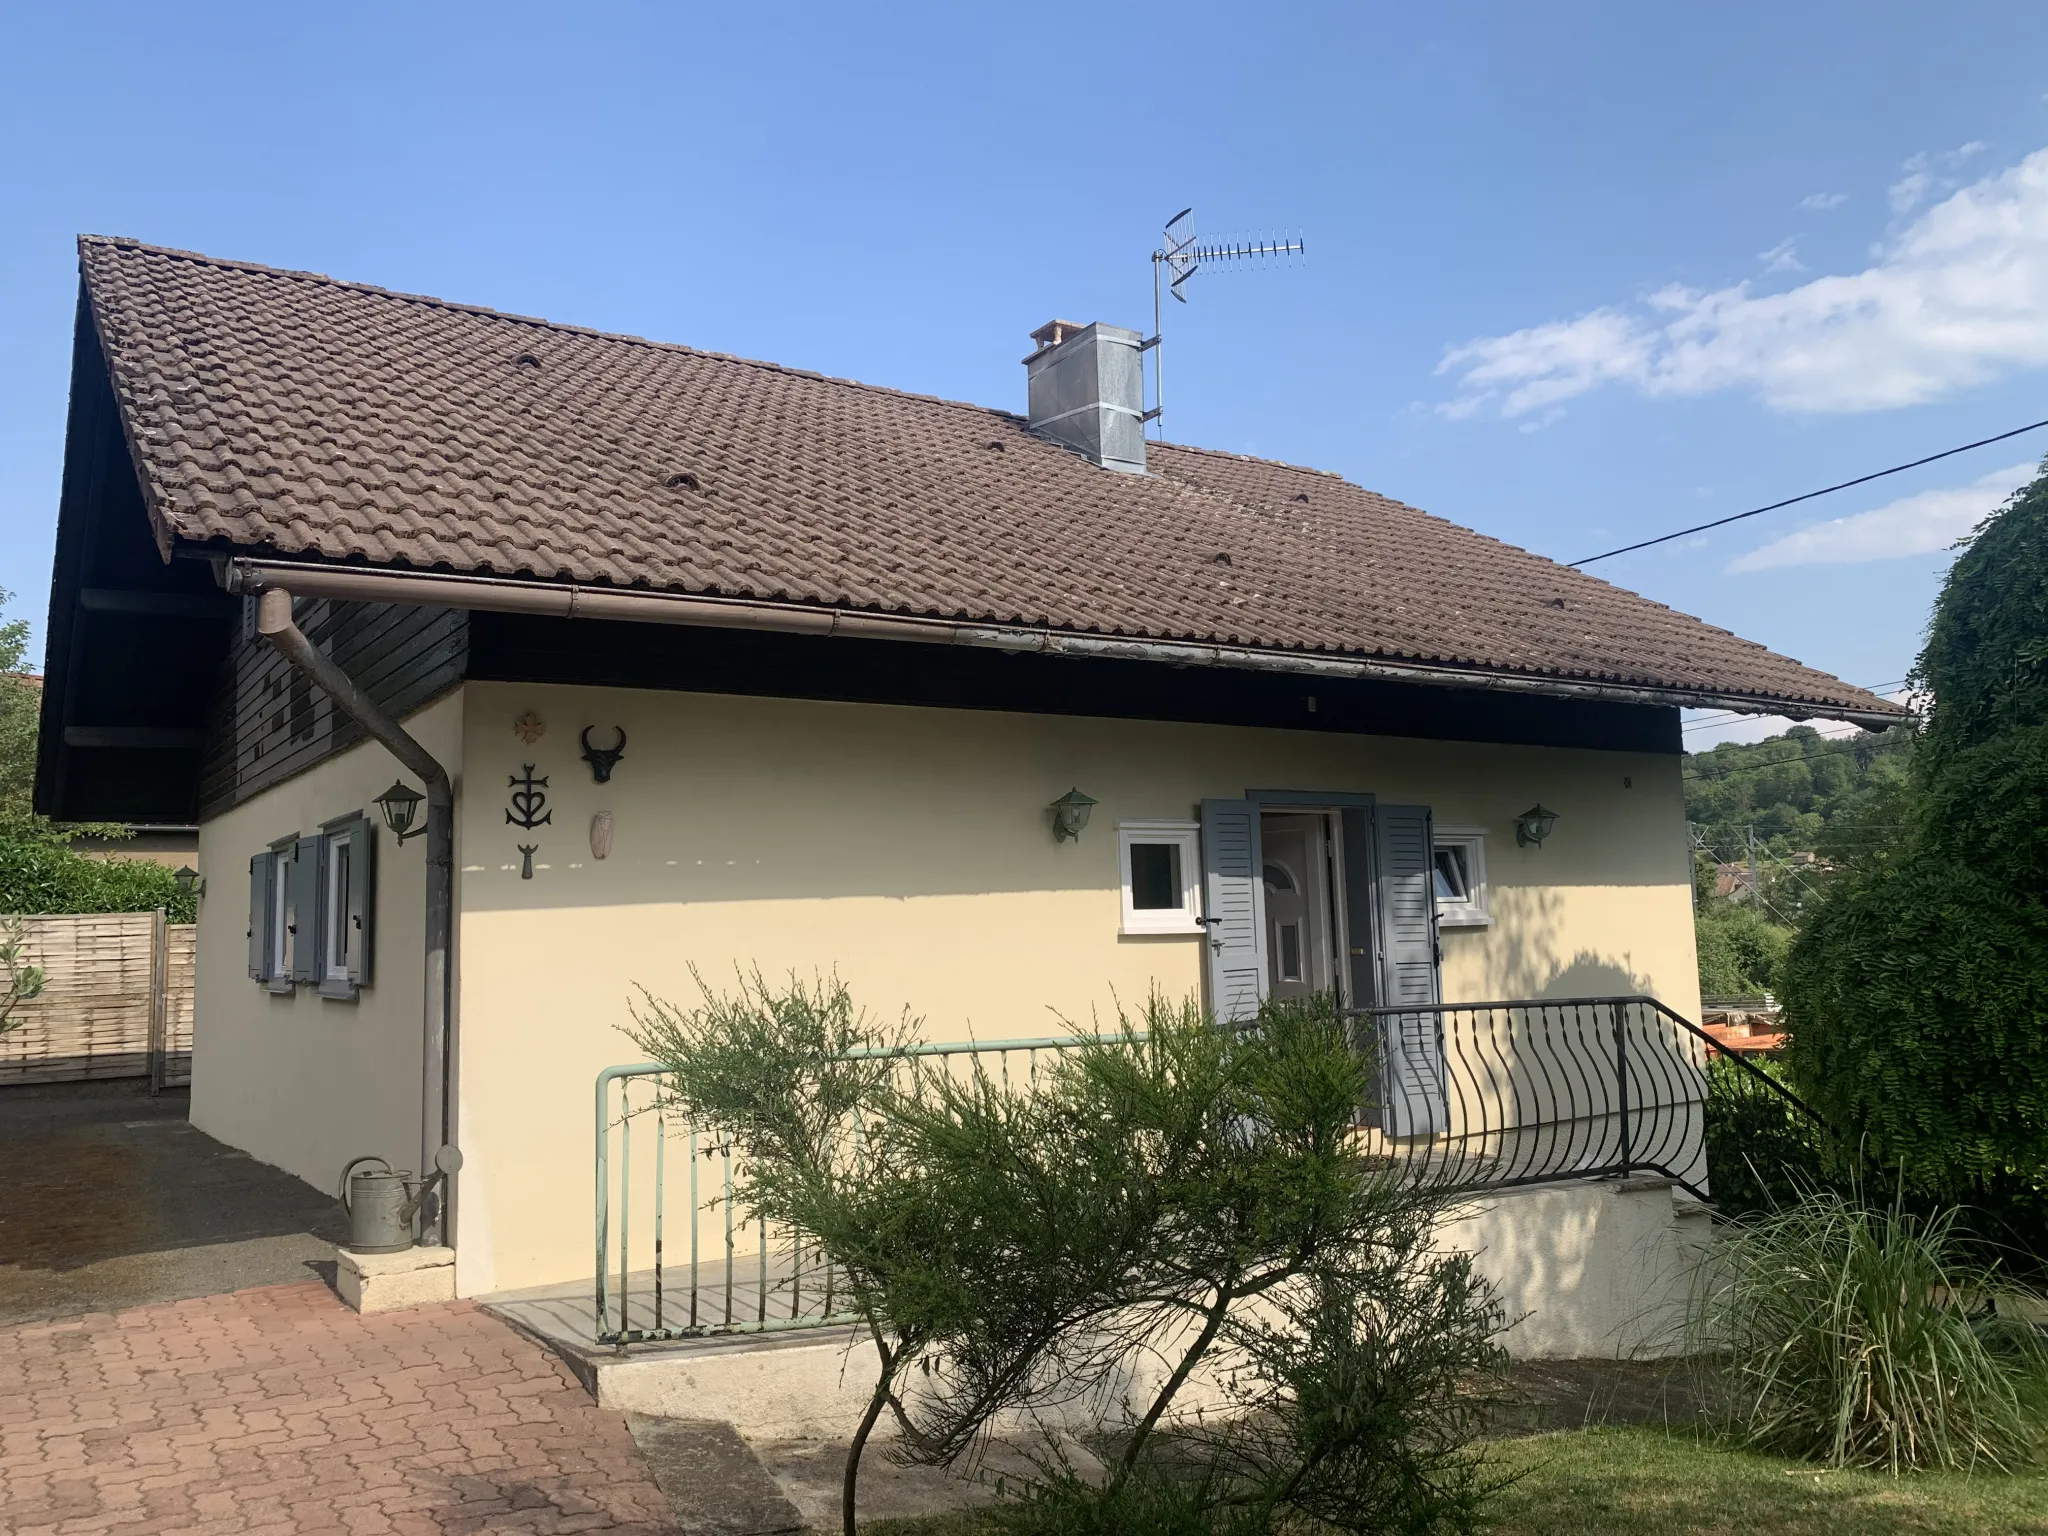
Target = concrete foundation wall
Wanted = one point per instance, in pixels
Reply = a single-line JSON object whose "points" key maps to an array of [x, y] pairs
{"points": [[1589, 1270]]}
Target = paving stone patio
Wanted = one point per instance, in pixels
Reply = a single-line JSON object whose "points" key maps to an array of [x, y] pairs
{"points": [[276, 1410]]}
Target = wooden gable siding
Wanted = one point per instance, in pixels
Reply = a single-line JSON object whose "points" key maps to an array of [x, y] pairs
{"points": [[268, 722]]}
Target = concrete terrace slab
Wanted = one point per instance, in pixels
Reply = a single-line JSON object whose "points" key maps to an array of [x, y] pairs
{"points": [[114, 1200]]}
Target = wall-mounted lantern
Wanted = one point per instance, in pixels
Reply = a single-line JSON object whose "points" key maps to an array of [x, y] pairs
{"points": [[1534, 825], [189, 883], [399, 805], [1070, 815]]}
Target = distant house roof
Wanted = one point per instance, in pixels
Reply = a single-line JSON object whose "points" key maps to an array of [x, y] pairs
{"points": [[291, 414]]}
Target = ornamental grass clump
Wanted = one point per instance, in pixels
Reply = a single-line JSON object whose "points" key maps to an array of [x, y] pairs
{"points": [[1865, 1337]]}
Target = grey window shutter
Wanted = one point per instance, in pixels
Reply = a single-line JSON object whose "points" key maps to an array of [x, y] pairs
{"points": [[1234, 908], [259, 917], [304, 910], [362, 898], [1361, 984], [1414, 1089]]}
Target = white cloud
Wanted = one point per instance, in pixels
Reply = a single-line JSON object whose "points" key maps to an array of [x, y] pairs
{"points": [[1912, 525], [1906, 193], [1821, 202], [1924, 175], [1956, 298], [1782, 257]]}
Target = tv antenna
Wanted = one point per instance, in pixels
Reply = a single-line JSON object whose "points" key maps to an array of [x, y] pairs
{"points": [[1180, 256]]}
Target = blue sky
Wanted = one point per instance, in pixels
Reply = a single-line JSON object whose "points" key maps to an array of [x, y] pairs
{"points": [[1577, 274]]}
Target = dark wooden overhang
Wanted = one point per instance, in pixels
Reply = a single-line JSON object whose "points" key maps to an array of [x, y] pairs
{"points": [[135, 642]]}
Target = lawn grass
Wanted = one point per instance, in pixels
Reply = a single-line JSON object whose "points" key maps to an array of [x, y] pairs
{"points": [[1652, 1482]]}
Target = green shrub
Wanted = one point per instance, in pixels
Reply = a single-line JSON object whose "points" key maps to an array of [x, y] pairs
{"points": [[1917, 993], [1861, 1337], [38, 873], [1176, 1199], [1740, 949]]}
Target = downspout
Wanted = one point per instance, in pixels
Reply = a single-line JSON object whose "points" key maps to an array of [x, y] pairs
{"points": [[274, 623]]}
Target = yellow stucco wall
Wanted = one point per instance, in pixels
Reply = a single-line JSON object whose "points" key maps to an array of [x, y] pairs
{"points": [[910, 849], [295, 1079]]}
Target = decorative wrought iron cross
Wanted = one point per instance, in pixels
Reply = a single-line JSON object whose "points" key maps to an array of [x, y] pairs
{"points": [[529, 801]]}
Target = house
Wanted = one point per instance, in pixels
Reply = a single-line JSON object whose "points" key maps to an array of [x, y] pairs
{"points": [[702, 663]]}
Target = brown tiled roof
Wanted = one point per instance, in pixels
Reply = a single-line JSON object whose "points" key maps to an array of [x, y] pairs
{"points": [[292, 414]]}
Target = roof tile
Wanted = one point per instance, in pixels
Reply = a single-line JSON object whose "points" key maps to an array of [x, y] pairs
{"points": [[293, 414]]}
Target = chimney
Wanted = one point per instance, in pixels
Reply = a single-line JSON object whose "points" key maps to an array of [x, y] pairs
{"points": [[1088, 391]]}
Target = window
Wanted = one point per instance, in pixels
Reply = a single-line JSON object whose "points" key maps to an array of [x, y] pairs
{"points": [[341, 921], [309, 910], [271, 879], [1460, 858], [1161, 864], [347, 889]]}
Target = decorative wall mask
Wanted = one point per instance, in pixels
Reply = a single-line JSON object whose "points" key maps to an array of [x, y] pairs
{"points": [[526, 853], [603, 760], [529, 727], [529, 801], [601, 835]]}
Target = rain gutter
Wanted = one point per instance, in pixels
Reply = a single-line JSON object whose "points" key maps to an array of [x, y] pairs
{"points": [[569, 600]]}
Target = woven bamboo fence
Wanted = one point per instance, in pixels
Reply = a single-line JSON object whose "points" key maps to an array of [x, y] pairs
{"points": [[116, 1001]]}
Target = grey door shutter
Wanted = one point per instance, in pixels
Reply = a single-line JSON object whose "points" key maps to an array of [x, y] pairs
{"points": [[303, 911], [259, 916], [1361, 984], [362, 898], [1233, 908], [1413, 1091]]}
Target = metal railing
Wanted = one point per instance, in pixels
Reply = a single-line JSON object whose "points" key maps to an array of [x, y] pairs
{"points": [[1496, 1095], [719, 1275], [1475, 1095]]}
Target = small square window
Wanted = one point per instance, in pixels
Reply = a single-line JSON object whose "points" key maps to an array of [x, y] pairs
{"points": [[1460, 859], [1160, 865]]}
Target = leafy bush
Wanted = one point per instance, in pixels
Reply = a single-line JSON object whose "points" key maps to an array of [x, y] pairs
{"points": [[1740, 949], [1867, 1338], [1182, 1198], [1917, 994], [38, 873], [1762, 1152]]}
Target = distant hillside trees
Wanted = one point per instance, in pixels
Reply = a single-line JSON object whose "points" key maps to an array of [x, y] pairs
{"points": [[1817, 804]]}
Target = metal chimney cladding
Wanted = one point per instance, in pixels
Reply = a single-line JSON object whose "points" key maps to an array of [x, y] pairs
{"points": [[1087, 390]]}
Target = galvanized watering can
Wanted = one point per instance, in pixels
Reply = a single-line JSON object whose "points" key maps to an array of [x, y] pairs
{"points": [[381, 1204]]}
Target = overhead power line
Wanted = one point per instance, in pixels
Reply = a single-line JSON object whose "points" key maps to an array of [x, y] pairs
{"points": [[1722, 522]]}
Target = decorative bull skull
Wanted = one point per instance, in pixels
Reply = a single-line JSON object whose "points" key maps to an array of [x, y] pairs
{"points": [[603, 759]]}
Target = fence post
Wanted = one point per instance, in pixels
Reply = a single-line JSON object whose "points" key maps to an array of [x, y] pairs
{"points": [[159, 992], [1621, 1076]]}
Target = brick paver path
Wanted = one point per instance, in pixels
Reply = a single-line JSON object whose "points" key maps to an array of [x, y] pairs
{"points": [[279, 1411]]}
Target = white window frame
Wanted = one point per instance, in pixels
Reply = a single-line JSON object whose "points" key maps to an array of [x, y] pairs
{"points": [[335, 912], [1472, 912], [279, 920], [1183, 835]]}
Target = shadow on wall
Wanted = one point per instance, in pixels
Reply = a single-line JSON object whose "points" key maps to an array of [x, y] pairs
{"points": [[1533, 965]]}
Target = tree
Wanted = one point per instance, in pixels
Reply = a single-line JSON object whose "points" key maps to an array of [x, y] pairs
{"points": [[1184, 1194], [1740, 949], [19, 980], [1917, 994], [39, 871]]}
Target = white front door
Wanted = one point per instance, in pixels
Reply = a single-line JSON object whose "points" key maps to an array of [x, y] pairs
{"points": [[1295, 854]]}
